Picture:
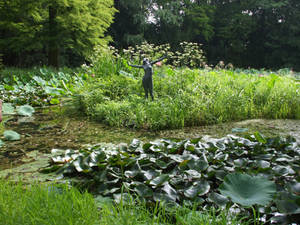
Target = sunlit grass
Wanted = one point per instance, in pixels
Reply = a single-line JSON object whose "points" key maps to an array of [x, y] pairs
{"points": [[60, 205], [45, 205], [185, 97]]}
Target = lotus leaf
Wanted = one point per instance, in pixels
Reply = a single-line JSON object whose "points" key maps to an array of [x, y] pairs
{"points": [[182, 171], [11, 135], [25, 110], [247, 190], [7, 108], [143, 190], [218, 199], [197, 189], [160, 180]]}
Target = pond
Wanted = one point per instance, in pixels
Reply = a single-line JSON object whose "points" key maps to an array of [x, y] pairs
{"points": [[51, 128]]}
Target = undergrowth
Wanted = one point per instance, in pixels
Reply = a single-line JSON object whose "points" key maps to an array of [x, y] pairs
{"points": [[58, 204], [185, 97]]}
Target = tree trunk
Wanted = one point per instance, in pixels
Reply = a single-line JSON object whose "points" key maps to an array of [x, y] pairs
{"points": [[53, 47]]}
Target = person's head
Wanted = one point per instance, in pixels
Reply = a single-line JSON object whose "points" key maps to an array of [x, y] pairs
{"points": [[145, 61]]}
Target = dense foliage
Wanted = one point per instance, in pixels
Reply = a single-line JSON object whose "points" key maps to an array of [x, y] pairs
{"points": [[185, 97], [37, 87], [256, 33], [190, 172], [34, 32], [50, 204]]}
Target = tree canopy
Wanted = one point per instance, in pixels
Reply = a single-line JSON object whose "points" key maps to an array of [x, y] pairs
{"points": [[255, 33], [29, 28]]}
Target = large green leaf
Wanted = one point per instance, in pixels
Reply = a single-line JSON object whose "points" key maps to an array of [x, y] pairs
{"points": [[160, 180], [288, 203], [7, 108], [25, 110], [143, 190], [198, 165], [197, 189], [247, 190], [11, 135], [218, 199], [170, 191]]}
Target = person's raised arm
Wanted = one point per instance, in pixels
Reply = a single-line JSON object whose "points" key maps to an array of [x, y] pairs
{"points": [[136, 66], [158, 60]]}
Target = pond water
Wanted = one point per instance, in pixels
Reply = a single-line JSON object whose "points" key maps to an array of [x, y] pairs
{"points": [[50, 128]]}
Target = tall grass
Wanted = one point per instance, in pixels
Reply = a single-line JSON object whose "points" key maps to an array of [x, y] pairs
{"points": [[42, 205], [185, 97], [60, 205]]}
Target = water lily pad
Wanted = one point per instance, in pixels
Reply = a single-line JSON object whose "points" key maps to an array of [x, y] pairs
{"points": [[11, 135], [198, 165], [25, 110], [7, 108], [247, 190], [143, 190], [160, 180], [288, 203], [197, 189], [296, 188], [218, 199], [170, 191]]}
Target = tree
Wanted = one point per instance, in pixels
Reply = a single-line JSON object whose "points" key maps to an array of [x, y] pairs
{"points": [[54, 26], [131, 22]]}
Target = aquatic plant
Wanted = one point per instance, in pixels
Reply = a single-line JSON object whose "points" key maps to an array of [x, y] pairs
{"points": [[190, 172]]}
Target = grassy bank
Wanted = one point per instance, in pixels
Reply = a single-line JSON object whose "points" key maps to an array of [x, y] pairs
{"points": [[185, 97], [41, 204], [37, 204]]}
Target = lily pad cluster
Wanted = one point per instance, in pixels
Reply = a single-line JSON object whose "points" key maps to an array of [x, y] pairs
{"points": [[38, 88], [208, 172]]}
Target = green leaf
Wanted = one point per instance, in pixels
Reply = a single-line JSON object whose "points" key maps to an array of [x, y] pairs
{"points": [[54, 101], [160, 180], [149, 174], [170, 191], [218, 199], [11, 135], [288, 203], [143, 190], [247, 190], [25, 110], [7, 108], [197, 189], [39, 80], [295, 188], [52, 91], [260, 138], [263, 164], [198, 165]]}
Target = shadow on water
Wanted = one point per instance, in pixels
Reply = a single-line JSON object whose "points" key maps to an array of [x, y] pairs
{"points": [[50, 128]]}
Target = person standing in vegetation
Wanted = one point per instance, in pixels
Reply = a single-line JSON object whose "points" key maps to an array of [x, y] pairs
{"points": [[147, 79]]}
